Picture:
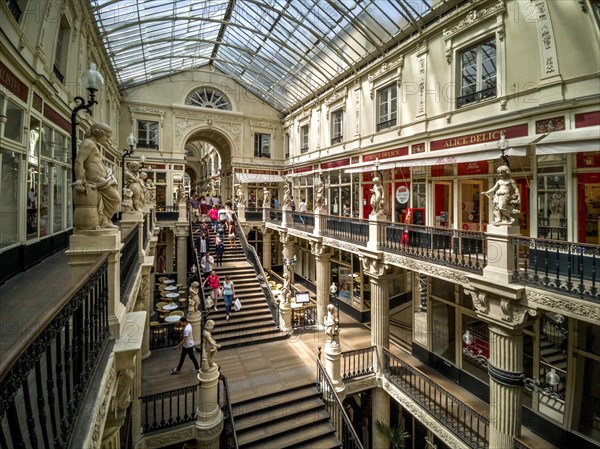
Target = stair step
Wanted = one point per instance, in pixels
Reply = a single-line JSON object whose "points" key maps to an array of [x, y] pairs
{"points": [[262, 338], [555, 358], [293, 393], [328, 441], [275, 411], [287, 431]]}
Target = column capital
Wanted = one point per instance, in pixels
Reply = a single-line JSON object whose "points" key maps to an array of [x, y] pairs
{"points": [[375, 268], [286, 238], [318, 249], [181, 230]]}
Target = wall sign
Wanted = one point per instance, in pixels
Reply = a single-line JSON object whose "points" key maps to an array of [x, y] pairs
{"points": [[402, 194]]}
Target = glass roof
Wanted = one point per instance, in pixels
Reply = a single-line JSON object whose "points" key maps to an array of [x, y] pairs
{"points": [[281, 50]]}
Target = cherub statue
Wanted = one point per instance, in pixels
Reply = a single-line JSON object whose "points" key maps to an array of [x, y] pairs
{"points": [[239, 195], [287, 200], [194, 298], [209, 347], [127, 202], [134, 183], [320, 197], [377, 197], [332, 329], [150, 187], [506, 198], [266, 197]]}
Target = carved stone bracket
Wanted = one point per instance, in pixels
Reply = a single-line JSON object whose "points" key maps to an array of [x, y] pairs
{"points": [[374, 267], [480, 301], [426, 268], [318, 249]]}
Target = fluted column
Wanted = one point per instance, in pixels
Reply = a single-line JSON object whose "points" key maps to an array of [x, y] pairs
{"points": [[380, 311], [182, 248], [322, 256], [505, 370], [380, 411], [266, 253]]}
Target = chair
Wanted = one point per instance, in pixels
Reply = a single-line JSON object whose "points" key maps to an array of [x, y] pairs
{"points": [[176, 313], [160, 305], [163, 278]]}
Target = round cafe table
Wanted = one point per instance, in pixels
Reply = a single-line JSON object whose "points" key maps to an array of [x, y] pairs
{"points": [[168, 281], [172, 295], [172, 318], [171, 288], [171, 306]]}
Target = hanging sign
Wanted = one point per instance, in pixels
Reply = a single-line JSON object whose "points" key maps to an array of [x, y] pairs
{"points": [[402, 194]]}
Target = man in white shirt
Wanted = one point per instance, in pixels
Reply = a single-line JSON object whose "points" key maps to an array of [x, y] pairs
{"points": [[302, 209], [187, 344], [207, 263]]}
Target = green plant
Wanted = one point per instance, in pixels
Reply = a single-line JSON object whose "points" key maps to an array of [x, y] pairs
{"points": [[396, 437]]}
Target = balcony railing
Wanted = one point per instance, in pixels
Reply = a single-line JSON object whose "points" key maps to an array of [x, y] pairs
{"points": [[302, 221], [168, 409], [228, 436], [275, 216], [339, 419], [167, 213], [464, 422], [348, 229], [386, 124], [254, 214], [476, 97], [42, 389], [570, 268], [129, 261], [454, 247], [358, 363]]}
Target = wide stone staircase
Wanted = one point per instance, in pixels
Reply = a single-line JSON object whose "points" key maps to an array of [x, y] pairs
{"points": [[252, 324], [295, 417]]}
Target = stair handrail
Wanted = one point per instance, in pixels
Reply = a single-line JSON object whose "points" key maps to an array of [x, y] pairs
{"points": [[252, 257], [229, 435], [338, 416]]}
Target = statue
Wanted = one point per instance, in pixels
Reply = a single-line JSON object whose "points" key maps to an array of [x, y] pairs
{"points": [[150, 187], [193, 299], [135, 184], [377, 197], [332, 329], [239, 195], [266, 197], [320, 197], [557, 205], [286, 290], [209, 347], [96, 196], [127, 203], [287, 201], [506, 198]]}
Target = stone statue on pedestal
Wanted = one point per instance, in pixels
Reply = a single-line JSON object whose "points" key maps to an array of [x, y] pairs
{"points": [[193, 298], [266, 197], [135, 183], [320, 197], [95, 196], [505, 197], [287, 199], [377, 197], [239, 195], [209, 347], [332, 329]]}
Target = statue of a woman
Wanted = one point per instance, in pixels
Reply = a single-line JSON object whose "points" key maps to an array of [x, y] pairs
{"points": [[320, 197], [266, 197], [287, 200]]}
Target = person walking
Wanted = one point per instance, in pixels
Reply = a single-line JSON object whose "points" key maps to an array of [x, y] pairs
{"points": [[202, 245], [219, 250], [228, 294], [213, 283], [207, 263], [213, 214], [187, 347]]}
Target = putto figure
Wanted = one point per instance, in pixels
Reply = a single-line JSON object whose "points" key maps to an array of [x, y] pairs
{"points": [[266, 197], [377, 197], [505, 197], [209, 347], [320, 197], [135, 183]]}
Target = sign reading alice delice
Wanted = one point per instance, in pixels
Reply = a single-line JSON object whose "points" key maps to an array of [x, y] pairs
{"points": [[402, 194]]}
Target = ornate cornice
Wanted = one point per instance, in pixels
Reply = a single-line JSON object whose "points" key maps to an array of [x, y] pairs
{"points": [[374, 267], [426, 268], [215, 116], [480, 301], [350, 247], [584, 310], [263, 124], [422, 415], [363, 384], [318, 249], [337, 95], [298, 233], [99, 413], [474, 17], [386, 67], [167, 438]]}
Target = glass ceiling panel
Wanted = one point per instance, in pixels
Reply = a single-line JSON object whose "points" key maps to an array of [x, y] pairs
{"points": [[281, 50]]}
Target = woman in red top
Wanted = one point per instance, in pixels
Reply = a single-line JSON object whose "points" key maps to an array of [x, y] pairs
{"points": [[213, 214], [213, 283]]}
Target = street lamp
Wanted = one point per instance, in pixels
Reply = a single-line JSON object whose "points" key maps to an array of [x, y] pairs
{"points": [[503, 145], [93, 81], [131, 141]]}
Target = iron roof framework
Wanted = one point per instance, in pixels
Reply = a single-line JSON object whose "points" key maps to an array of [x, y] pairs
{"points": [[283, 51]]}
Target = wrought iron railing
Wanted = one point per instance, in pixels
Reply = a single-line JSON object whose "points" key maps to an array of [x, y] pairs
{"points": [[254, 260], [275, 216], [167, 213], [550, 232], [145, 230], [453, 247], [302, 221], [42, 390], [358, 363], [130, 257], [464, 422], [340, 421], [254, 214], [15, 10], [570, 268], [305, 316], [476, 97], [349, 229], [386, 124], [168, 409], [228, 436]]}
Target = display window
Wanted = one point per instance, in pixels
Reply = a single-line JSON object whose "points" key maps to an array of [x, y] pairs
{"points": [[588, 198]]}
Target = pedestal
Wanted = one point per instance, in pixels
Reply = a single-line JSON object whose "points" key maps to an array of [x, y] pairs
{"points": [[209, 419], [333, 354], [501, 261], [285, 210], [374, 220], [195, 319], [182, 212], [241, 213], [285, 317], [317, 217]]}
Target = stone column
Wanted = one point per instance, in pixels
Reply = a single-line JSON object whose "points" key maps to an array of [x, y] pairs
{"points": [[85, 248], [182, 252], [318, 217], [380, 311], [195, 319], [374, 220], [322, 256], [380, 411], [266, 252], [505, 368], [209, 419], [285, 210]]}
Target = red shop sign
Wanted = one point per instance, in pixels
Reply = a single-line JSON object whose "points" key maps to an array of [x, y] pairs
{"points": [[473, 168]]}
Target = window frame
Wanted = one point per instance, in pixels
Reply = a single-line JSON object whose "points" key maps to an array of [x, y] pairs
{"points": [[61, 50], [337, 136], [259, 145], [480, 94], [304, 138], [391, 113], [146, 142]]}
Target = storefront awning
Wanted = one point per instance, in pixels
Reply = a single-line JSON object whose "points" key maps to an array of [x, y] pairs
{"points": [[257, 178], [471, 153], [570, 141]]}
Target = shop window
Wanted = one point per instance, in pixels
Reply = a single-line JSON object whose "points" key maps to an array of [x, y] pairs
{"points": [[46, 141], [286, 146], [552, 203], [147, 134], [9, 188], [418, 195], [387, 107], [479, 332], [262, 145], [477, 73], [59, 197], [304, 139], [336, 127], [13, 128], [443, 335], [62, 49]]}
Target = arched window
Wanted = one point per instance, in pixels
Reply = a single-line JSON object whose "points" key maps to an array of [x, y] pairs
{"points": [[208, 97]]}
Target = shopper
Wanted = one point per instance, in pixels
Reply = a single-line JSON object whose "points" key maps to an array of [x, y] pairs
{"points": [[228, 295], [207, 263], [213, 214], [213, 283], [219, 250], [187, 347]]}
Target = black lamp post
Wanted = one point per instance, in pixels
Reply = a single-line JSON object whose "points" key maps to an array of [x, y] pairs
{"points": [[131, 141], [93, 81]]}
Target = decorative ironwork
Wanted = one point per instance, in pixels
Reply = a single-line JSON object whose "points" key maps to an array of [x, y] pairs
{"points": [[168, 409], [349, 229], [228, 436], [129, 262], [358, 363], [254, 214], [275, 216], [476, 97], [302, 221]]}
